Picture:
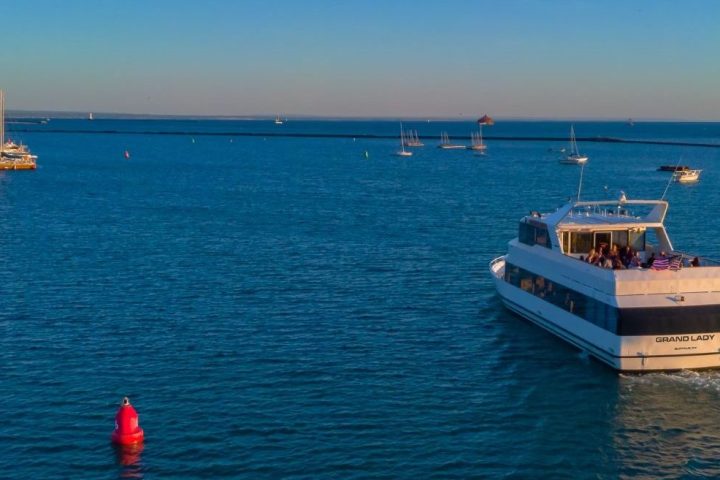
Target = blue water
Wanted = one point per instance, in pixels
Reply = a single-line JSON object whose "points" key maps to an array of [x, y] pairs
{"points": [[287, 308]]}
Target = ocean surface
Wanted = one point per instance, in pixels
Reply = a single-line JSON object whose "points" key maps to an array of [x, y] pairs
{"points": [[286, 307]]}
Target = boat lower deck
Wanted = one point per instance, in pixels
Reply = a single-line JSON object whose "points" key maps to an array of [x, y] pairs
{"points": [[626, 353]]}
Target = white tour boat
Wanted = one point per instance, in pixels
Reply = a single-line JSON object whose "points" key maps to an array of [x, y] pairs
{"points": [[575, 157], [638, 319], [686, 176]]}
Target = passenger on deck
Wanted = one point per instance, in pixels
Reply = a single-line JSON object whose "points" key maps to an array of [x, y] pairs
{"points": [[635, 261], [592, 257], [625, 255], [607, 262], [650, 260], [617, 264]]}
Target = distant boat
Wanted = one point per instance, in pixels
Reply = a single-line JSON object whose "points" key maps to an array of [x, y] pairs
{"points": [[686, 176], [412, 139], [672, 168], [90, 116], [13, 156], [278, 120], [575, 158], [402, 152], [486, 120], [446, 145], [476, 141], [630, 122]]}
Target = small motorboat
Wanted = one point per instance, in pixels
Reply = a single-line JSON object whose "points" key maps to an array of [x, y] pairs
{"points": [[672, 168]]}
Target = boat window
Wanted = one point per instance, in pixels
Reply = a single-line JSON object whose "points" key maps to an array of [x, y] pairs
{"points": [[541, 237], [594, 311], [602, 240], [512, 274], [620, 237], [526, 234], [533, 235], [581, 242], [651, 239], [637, 241]]}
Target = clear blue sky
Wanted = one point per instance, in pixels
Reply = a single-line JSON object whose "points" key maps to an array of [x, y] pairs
{"points": [[536, 59]]}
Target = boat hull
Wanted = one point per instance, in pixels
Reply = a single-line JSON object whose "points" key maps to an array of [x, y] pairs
{"points": [[5, 165], [574, 160], [687, 176], [636, 353]]}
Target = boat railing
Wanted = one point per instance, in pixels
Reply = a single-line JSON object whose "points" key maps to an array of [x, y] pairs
{"points": [[704, 261], [493, 264]]}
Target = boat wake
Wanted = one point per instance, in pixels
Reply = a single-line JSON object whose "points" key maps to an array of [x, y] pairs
{"points": [[706, 380]]}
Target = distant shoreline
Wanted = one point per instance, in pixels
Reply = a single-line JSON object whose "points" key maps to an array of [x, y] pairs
{"points": [[367, 136]]}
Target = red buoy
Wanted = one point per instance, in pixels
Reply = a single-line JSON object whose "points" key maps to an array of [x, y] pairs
{"points": [[127, 429]]}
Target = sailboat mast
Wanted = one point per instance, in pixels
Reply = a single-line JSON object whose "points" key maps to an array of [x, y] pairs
{"points": [[2, 121]]}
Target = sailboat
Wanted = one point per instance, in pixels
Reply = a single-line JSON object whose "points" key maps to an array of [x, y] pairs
{"points": [[476, 141], [575, 158], [412, 139], [402, 152], [446, 145], [278, 120], [12, 155]]}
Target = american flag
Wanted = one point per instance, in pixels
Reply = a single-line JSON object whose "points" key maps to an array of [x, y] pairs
{"points": [[660, 263], [676, 263]]}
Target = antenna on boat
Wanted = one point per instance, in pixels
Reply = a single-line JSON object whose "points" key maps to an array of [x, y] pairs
{"points": [[671, 178], [582, 168]]}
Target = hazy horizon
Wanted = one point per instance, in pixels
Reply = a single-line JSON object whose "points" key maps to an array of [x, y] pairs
{"points": [[35, 114], [646, 60]]}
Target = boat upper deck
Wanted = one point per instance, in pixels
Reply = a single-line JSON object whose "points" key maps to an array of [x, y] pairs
{"points": [[620, 213]]}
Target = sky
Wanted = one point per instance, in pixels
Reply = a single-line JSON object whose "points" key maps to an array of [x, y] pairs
{"points": [[641, 59]]}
